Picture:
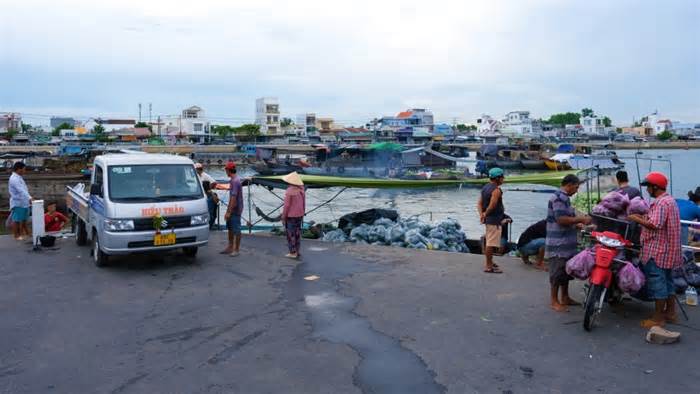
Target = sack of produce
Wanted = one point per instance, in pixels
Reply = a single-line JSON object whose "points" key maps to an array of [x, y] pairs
{"points": [[638, 206], [630, 279], [581, 265], [615, 202]]}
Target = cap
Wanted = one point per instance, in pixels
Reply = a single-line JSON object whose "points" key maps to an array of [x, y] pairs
{"points": [[655, 179], [230, 165], [495, 172], [293, 179], [198, 165]]}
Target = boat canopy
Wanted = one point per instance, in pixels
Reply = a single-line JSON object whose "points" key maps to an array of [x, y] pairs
{"points": [[386, 146], [488, 150], [566, 148]]}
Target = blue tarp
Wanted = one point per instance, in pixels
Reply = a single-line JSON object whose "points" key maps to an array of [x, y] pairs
{"points": [[566, 148]]}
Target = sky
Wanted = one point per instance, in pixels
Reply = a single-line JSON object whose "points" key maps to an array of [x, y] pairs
{"points": [[351, 60]]}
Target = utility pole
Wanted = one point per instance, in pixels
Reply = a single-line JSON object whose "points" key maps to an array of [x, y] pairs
{"points": [[159, 126], [139, 112], [150, 112]]}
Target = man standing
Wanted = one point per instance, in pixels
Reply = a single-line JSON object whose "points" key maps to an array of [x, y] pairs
{"points": [[203, 176], [690, 211], [234, 211], [561, 241], [19, 201], [531, 243], [661, 249], [491, 214], [624, 187]]}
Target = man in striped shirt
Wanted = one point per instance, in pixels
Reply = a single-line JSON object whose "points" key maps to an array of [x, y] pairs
{"points": [[561, 243], [661, 249]]}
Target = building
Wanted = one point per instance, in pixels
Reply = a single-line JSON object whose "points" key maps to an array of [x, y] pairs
{"points": [[592, 125], [306, 125], [686, 129], [267, 116], [109, 125], [191, 123], [354, 135], [487, 125], [10, 121], [59, 120], [517, 123], [326, 125], [656, 124], [443, 129], [415, 117], [638, 130]]}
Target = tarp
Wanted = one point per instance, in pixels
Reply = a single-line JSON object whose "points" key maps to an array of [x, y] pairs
{"points": [[488, 150], [368, 216], [386, 146], [552, 178], [566, 148]]}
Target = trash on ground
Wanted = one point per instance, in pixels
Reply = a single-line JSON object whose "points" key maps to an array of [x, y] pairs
{"points": [[312, 277], [661, 336]]}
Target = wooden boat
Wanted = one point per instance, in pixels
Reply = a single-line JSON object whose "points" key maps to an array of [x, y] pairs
{"points": [[555, 165], [533, 164]]}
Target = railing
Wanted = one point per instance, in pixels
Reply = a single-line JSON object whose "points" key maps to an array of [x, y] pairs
{"points": [[691, 223]]}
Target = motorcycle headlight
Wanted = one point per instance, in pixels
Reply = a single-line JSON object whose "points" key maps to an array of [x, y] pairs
{"points": [[119, 225], [610, 242], [199, 220]]}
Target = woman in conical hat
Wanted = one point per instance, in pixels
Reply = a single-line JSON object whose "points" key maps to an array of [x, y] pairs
{"points": [[293, 212]]}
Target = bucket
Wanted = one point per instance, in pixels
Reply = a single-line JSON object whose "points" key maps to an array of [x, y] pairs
{"points": [[47, 241]]}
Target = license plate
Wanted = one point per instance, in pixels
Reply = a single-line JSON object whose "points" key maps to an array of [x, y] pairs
{"points": [[164, 239]]}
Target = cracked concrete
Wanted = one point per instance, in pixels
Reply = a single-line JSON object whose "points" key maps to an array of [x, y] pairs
{"points": [[248, 324]]}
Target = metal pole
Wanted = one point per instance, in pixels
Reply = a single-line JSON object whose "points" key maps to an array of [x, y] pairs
{"points": [[598, 178], [670, 175], [250, 212]]}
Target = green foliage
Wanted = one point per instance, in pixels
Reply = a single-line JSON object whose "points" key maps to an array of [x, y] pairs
{"points": [[98, 129], [586, 112], [286, 122], [607, 122], [223, 130], [26, 127], [463, 127], [11, 133], [565, 118], [63, 126], [246, 130], [144, 124], [664, 136]]}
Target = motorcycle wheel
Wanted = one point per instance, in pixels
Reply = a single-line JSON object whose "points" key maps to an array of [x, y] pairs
{"points": [[592, 306]]}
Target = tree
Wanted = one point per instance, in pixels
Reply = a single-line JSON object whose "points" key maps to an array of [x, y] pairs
{"points": [[586, 112], [565, 118], [606, 121], [463, 127], [249, 130], [98, 129], [26, 127], [144, 124], [63, 126], [11, 133], [664, 136], [286, 122], [223, 130]]}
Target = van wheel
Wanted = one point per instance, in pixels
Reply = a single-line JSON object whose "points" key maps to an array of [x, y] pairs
{"points": [[98, 256], [190, 251], [80, 233]]}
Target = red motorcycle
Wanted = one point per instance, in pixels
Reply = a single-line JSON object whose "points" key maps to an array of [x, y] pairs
{"points": [[601, 279]]}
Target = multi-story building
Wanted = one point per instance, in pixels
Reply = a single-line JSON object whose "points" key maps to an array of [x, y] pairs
{"points": [[592, 125], [191, 123], [10, 121], [306, 125], [516, 123], [487, 125], [267, 116], [59, 120], [415, 117]]}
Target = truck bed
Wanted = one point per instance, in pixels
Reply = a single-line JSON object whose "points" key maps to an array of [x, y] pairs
{"points": [[78, 202]]}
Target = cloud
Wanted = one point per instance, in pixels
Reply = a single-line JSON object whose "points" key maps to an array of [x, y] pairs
{"points": [[355, 60]]}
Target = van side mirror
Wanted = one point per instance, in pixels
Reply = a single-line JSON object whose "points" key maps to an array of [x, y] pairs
{"points": [[96, 189]]}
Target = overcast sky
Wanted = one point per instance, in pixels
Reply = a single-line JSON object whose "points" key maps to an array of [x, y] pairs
{"points": [[353, 60]]}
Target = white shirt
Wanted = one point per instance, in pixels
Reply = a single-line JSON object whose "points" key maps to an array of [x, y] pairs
{"points": [[19, 194], [204, 177]]}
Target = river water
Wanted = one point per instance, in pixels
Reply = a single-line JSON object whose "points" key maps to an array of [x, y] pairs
{"points": [[526, 204]]}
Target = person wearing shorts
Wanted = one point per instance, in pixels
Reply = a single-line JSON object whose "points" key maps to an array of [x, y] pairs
{"points": [[561, 242], [531, 243], [234, 211], [491, 214], [19, 201]]}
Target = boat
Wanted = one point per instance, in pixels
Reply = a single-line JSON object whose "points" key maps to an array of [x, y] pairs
{"points": [[533, 164], [558, 162]]}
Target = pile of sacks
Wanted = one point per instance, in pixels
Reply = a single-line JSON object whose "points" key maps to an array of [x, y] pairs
{"points": [[630, 279], [619, 206], [446, 235]]}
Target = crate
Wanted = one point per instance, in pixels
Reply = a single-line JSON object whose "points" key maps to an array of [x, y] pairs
{"points": [[629, 230]]}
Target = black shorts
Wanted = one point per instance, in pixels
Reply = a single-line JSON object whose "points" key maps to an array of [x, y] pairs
{"points": [[557, 271]]}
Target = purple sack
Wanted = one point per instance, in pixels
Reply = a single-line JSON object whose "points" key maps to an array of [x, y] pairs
{"points": [[581, 265], [615, 202], [638, 206], [630, 279], [602, 211]]}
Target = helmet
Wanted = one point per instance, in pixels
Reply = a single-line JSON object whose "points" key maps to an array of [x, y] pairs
{"points": [[656, 179], [495, 172]]}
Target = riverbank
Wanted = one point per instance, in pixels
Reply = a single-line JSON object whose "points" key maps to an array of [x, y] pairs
{"points": [[187, 149], [344, 319]]}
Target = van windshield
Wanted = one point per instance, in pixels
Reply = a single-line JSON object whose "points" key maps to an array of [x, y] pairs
{"points": [[153, 183]]}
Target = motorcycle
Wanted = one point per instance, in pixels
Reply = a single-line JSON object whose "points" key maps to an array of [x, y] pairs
{"points": [[601, 283]]}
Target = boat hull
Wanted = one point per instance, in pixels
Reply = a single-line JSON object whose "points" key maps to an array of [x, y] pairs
{"points": [[557, 165], [531, 164]]}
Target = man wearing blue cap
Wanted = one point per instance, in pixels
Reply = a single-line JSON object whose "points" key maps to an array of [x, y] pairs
{"points": [[492, 213]]}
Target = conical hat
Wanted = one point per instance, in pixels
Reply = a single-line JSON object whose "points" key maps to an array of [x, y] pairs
{"points": [[293, 179]]}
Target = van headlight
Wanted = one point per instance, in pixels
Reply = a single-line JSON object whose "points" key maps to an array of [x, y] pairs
{"points": [[119, 225], [199, 220]]}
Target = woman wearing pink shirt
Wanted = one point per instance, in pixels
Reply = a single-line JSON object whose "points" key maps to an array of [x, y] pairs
{"points": [[293, 212]]}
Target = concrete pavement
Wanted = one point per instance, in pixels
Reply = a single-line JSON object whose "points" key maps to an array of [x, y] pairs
{"points": [[376, 319]]}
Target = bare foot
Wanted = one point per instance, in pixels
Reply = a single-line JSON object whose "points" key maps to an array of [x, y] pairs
{"points": [[234, 253], [559, 307], [525, 259], [227, 250], [541, 267], [570, 302]]}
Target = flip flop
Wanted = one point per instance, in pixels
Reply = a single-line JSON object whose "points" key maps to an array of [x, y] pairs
{"points": [[493, 270]]}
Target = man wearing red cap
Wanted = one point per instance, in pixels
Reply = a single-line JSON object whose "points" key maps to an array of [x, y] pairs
{"points": [[661, 249], [234, 211]]}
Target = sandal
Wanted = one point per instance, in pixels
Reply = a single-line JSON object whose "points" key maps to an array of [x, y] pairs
{"points": [[493, 270]]}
